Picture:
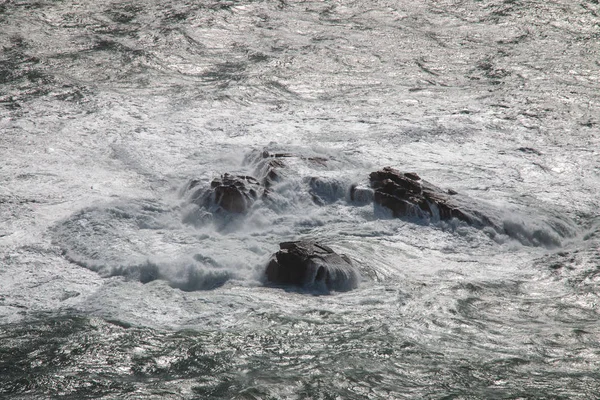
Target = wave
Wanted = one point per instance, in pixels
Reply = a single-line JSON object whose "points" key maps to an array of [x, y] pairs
{"points": [[143, 240]]}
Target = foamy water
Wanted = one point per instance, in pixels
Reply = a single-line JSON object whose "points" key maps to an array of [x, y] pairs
{"points": [[114, 284]]}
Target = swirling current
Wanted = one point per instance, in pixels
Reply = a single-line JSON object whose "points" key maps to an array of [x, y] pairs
{"points": [[118, 281]]}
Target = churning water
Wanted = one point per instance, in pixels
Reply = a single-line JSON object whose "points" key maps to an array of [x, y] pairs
{"points": [[114, 285]]}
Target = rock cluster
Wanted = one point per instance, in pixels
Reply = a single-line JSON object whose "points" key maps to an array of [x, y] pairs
{"points": [[308, 263], [236, 193], [267, 166]]}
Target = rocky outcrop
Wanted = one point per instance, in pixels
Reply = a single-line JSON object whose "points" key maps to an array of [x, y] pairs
{"points": [[406, 194], [237, 193], [313, 265], [232, 193]]}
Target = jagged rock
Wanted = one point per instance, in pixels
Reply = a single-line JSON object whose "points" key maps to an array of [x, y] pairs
{"points": [[406, 194], [232, 193], [310, 264], [530, 150]]}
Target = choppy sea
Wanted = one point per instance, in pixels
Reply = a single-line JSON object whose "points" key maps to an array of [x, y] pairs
{"points": [[109, 109]]}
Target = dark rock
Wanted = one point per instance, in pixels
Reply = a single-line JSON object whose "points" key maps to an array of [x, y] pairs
{"points": [[269, 171], [232, 193], [317, 160], [408, 195], [413, 176], [310, 264], [235, 193], [529, 150]]}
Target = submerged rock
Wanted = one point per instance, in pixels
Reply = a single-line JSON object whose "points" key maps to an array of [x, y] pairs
{"points": [[406, 194], [326, 190], [310, 264], [269, 166]]}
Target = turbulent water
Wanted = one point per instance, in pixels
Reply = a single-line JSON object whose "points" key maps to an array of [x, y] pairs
{"points": [[112, 285]]}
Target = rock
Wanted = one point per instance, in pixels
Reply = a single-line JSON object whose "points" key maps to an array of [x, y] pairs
{"points": [[530, 150], [310, 264], [232, 193], [235, 193], [406, 194], [269, 166]]}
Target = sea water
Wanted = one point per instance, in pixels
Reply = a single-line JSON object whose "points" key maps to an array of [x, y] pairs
{"points": [[108, 289]]}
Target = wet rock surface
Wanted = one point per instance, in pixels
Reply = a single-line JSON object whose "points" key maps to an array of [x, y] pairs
{"points": [[311, 264], [235, 193], [232, 193], [406, 194]]}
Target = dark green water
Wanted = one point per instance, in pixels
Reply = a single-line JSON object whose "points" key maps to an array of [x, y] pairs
{"points": [[78, 357]]}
